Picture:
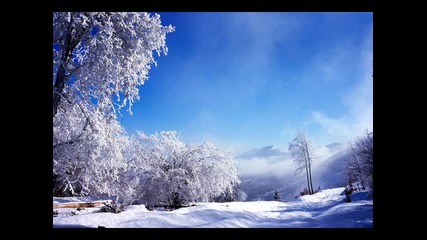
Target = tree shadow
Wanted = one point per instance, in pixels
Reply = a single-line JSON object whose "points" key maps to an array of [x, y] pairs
{"points": [[69, 226]]}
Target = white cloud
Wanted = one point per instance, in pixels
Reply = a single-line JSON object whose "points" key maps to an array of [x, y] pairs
{"points": [[340, 129], [267, 166], [358, 101]]}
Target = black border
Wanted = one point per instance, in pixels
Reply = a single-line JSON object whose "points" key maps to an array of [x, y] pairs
{"points": [[221, 6], [216, 6]]}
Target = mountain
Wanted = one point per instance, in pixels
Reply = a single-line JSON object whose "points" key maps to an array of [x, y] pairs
{"points": [[334, 146], [264, 152]]}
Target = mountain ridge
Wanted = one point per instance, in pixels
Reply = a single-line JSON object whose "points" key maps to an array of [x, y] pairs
{"points": [[263, 152]]}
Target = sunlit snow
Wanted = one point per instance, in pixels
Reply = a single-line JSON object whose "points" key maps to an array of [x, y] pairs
{"points": [[326, 209]]}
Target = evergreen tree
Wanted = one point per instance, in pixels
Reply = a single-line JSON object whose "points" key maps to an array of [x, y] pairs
{"points": [[276, 196]]}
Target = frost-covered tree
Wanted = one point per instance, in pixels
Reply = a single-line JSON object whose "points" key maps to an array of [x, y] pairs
{"points": [[100, 58], [178, 174], [99, 61], [240, 195], [360, 164], [94, 162], [302, 152], [236, 195]]}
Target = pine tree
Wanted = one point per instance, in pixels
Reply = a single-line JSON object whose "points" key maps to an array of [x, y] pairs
{"points": [[276, 196]]}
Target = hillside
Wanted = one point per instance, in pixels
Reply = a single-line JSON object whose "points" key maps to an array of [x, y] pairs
{"points": [[275, 171]]}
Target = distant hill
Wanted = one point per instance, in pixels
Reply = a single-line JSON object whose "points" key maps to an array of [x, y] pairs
{"points": [[330, 173], [277, 171], [334, 146], [264, 152]]}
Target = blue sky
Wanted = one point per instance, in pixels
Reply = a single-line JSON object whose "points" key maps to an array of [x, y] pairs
{"points": [[246, 80]]}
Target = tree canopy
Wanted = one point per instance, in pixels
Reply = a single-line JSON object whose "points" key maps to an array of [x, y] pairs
{"points": [[99, 62], [101, 58]]}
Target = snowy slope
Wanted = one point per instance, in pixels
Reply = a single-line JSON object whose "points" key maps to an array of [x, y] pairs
{"points": [[325, 209]]}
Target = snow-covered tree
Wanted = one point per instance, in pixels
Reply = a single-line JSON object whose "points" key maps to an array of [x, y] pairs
{"points": [[99, 61], [302, 152], [93, 162], [100, 58], [360, 164], [236, 195], [240, 195], [178, 174]]}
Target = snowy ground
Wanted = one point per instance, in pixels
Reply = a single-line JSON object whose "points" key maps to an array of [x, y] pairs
{"points": [[325, 209]]}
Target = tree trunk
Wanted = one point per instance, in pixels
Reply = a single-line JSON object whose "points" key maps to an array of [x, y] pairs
{"points": [[311, 181], [309, 172], [308, 161], [58, 88], [308, 180], [61, 77]]}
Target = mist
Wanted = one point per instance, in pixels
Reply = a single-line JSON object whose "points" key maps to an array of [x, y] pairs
{"points": [[261, 176]]}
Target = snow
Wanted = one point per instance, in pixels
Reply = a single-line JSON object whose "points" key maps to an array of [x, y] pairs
{"points": [[325, 209]]}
